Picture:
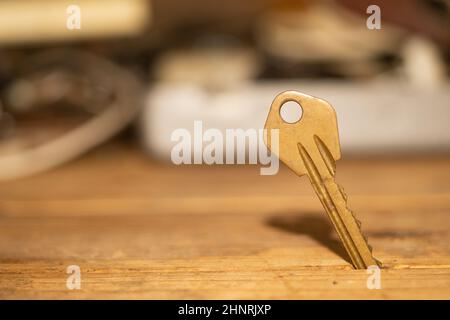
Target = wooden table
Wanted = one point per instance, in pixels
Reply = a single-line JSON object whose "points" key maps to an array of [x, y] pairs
{"points": [[139, 229]]}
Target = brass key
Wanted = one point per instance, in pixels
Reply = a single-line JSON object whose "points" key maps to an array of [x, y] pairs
{"points": [[311, 146]]}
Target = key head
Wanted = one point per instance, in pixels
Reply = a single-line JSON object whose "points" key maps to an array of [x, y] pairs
{"points": [[318, 121]]}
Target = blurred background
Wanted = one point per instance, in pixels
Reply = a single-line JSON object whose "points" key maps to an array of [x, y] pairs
{"points": [[76, 74]]}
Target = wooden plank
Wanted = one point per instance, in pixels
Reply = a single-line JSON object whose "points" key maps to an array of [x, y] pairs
{"points": [[139, 229]]}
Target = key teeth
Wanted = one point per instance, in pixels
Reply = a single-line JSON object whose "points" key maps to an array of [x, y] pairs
{"points": [[344, 195], [358, 222]]}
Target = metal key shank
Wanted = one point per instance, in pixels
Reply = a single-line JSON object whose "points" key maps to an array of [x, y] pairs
{"points": [[332, 196]]}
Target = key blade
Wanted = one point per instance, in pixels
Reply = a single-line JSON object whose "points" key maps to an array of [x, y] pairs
{"points": [[317, 114], [321, 174]]}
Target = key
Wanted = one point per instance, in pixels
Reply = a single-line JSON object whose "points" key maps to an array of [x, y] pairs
{"points": [[310, 147]]}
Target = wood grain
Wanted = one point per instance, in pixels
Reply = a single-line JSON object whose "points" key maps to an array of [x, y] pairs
{"points": [[140, 229]]}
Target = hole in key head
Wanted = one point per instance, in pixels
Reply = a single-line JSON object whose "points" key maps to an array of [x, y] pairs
{"points": [[291, 112]]}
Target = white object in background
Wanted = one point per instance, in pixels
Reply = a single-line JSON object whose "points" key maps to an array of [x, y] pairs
{"points": [[213, 68], [374, 117], [423, 63]]}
